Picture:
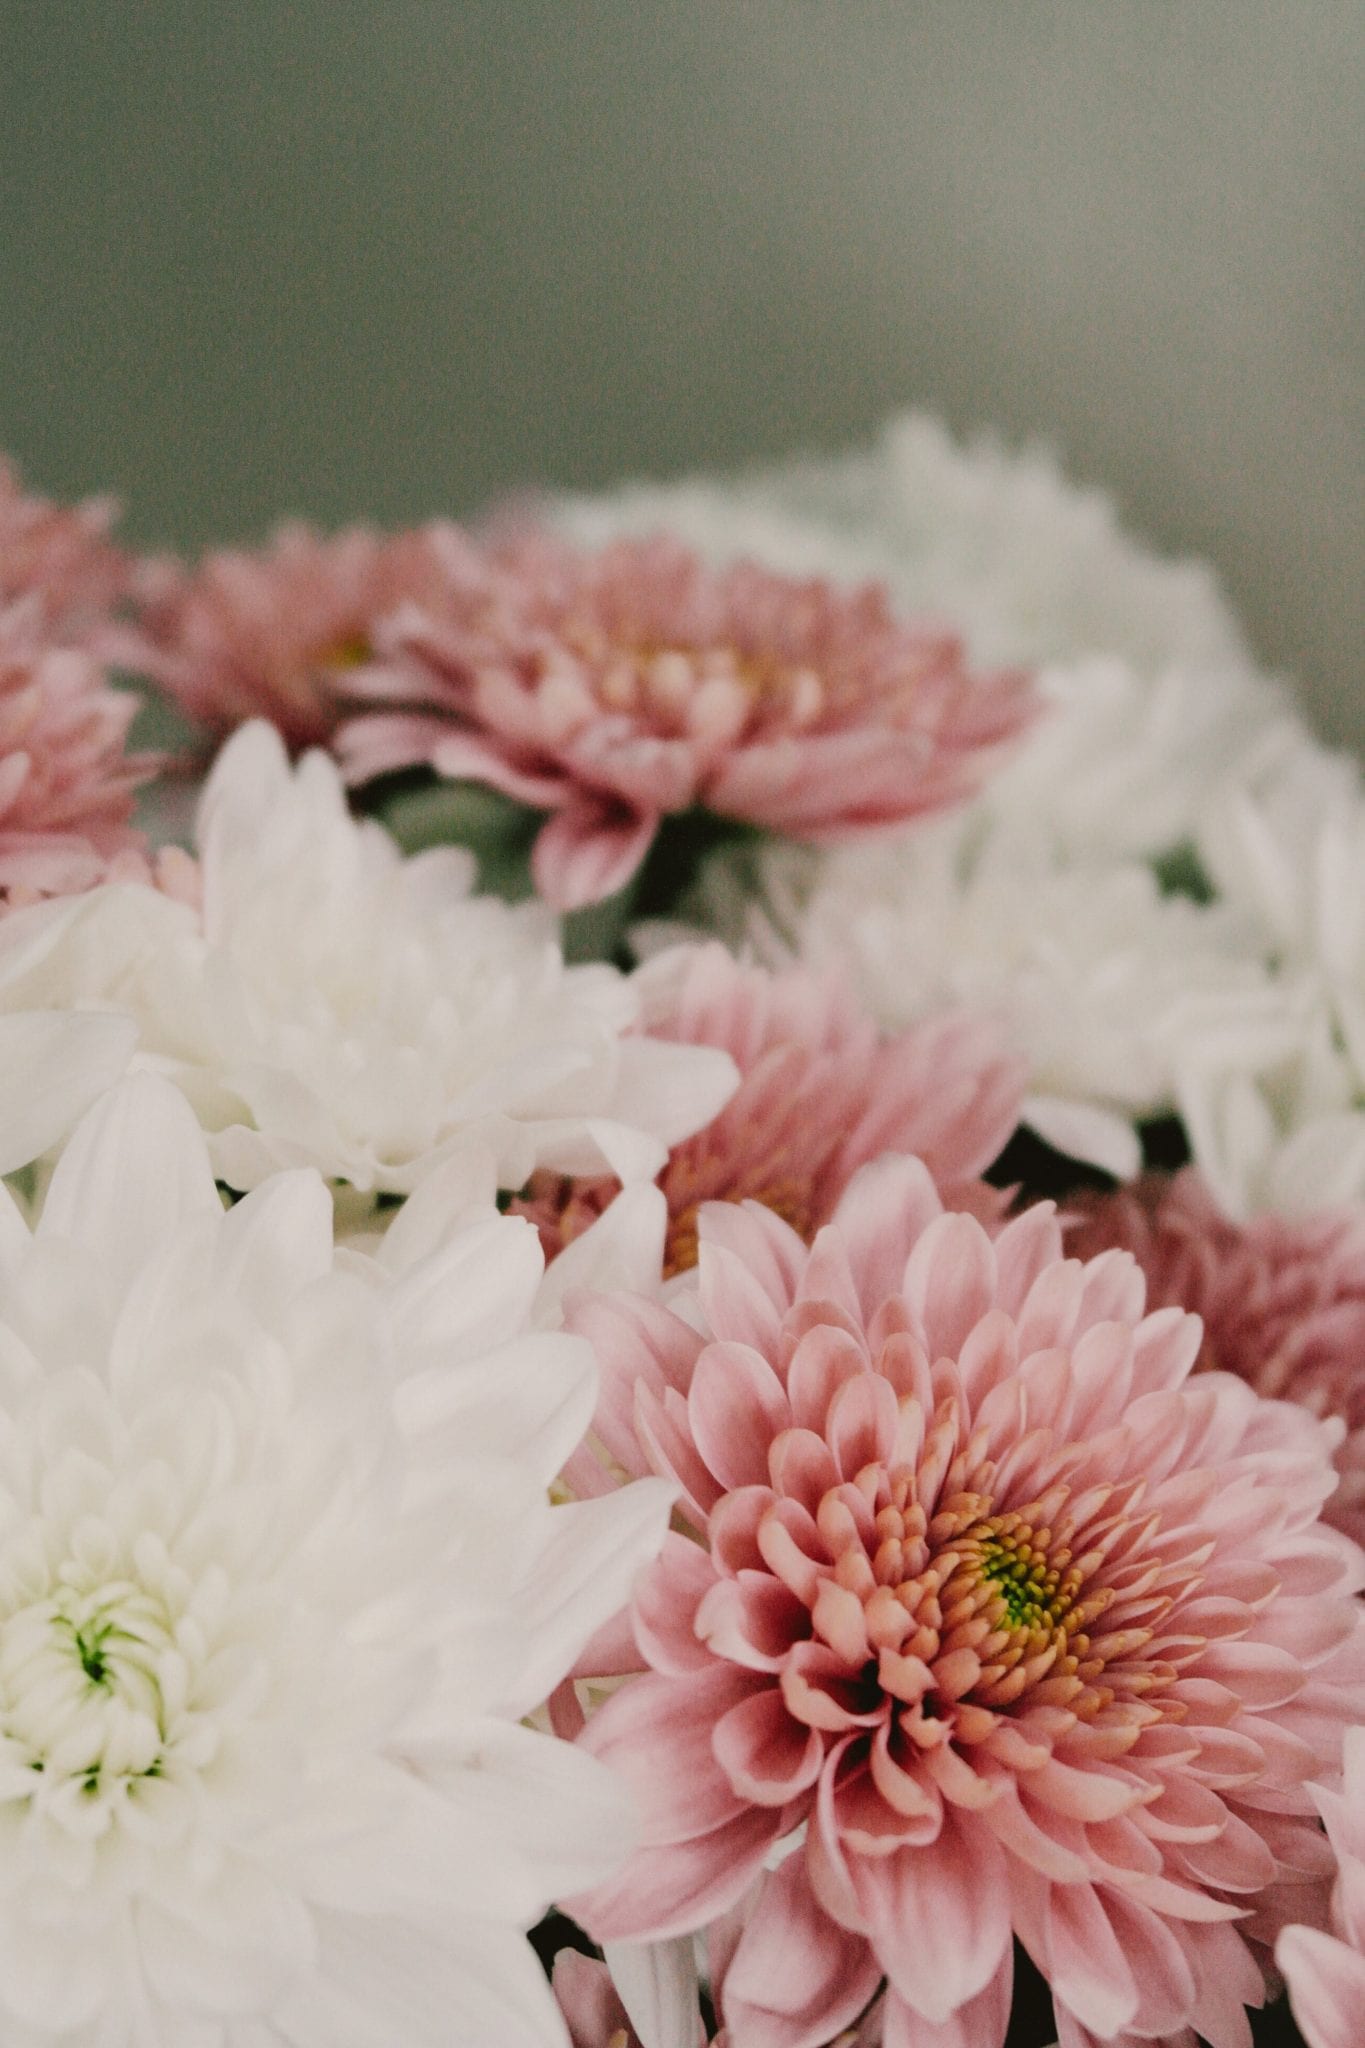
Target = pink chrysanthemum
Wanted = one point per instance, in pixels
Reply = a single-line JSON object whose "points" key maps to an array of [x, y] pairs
{"points": [[271, 633], [1282, 1298], [1031, 1633], [820, 1094], [614, 688], [66, 781], [1326, 1972], [60, 556]]}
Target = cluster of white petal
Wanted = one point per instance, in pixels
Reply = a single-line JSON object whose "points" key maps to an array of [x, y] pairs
{"points": [[279, 1577], [1165, 761], [328, 1003]]}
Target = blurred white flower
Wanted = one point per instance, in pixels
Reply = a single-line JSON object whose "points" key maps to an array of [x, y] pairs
{"points": [[335, 1005], [1125, 766], [1285, 847], [278, 1577]]}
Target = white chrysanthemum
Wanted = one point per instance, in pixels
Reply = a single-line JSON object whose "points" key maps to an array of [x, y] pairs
{"points": [[338, 1006], [1109, 988], [278, 1577], [1028, 566]]}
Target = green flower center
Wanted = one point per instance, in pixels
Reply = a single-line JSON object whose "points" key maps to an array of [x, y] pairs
{"points": [[83, 1677]]}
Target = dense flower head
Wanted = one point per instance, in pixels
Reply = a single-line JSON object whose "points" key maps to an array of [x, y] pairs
{"points": [[61, 559], [616, 687], [325, 1002], [279, 1578], [1282, 1299], [271, 633], [1326, 1972], [67, 781], [984, 1611], [821, 1092]]}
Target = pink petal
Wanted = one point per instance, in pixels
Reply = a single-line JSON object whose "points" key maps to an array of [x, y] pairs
{"points": [[667, 1597], [767, 1756], [1086, 1965], [950, 1280], [588, 851], [656, 1732], [1326, 1986], [753, 1620], [883, 1211], [678, 1887], [823, 1360], [982, 2020], [736, 1406], [863, 1419], [796, 1978], [732, 1531], [938, 1917]]}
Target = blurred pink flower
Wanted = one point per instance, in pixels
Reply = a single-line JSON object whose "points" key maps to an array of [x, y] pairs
{"points": [[615, 688], [271, 633], [1326, 1972], [1282, 1298], [61, 557], [821, 1092], [1030, 1633], [66, 780]]}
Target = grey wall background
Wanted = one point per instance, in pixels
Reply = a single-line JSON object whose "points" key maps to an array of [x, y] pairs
{"points": [[378, 259]]}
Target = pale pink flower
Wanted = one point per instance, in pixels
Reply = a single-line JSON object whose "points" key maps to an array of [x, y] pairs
{"points": [[1282, 1299], [617, 687], [1326, 1972], [821, 1092], [271, 633], [1032, 1634], [66, 779], [60, 556]]}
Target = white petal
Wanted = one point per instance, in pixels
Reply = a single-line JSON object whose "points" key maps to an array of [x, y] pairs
{"points": [[135, 1166], [672, 1090], [384, 1985], [276, 1240], [623, 1252], [1082, 1130], [529, 1401], [53, 1065], [658, 1986], [462, 1190], [473, 1293], [595, 1553]]}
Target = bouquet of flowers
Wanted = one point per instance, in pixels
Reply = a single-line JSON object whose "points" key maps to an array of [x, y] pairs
{"points": [[682, 1283]]}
